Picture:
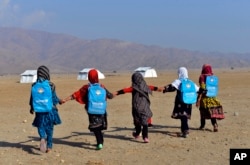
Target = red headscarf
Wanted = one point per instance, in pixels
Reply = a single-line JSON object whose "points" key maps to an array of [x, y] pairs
{"points": [[93, 76], [206, 70], [80, 95]]}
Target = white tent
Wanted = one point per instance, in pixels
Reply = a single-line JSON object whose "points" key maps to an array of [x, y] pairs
{"points": [[29, 76], [147, 72], [83, 74]]}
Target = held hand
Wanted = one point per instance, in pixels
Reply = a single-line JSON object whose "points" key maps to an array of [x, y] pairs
{"points": [[61, 101], [198, 104], [160, 89], [31, 111]]}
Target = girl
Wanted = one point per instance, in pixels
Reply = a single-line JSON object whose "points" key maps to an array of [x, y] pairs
{"points": [[141, 111], [97, 122], [45, 121], [206, 103], [181, 110]]}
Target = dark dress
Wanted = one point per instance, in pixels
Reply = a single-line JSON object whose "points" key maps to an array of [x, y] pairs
{"points": [[181, 110]]}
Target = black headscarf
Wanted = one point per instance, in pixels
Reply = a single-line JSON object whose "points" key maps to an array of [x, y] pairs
{"points": [[139, 84]]}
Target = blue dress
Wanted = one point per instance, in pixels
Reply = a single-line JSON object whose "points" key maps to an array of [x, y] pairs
{"points": [[48, 118]]}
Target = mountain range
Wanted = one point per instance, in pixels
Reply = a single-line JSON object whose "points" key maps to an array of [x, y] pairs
{"points": [[22, 49]]}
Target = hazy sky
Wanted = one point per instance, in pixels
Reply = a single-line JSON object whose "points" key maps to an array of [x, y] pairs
{"points": [[203, 25]]}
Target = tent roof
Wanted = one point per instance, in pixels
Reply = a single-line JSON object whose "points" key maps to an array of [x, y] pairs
{"points": [[83, 74], [29, 72], [86, 70], [143, 68]]}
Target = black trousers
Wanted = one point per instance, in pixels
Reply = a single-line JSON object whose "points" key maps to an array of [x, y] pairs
{"points": [[143, 129], [203, 122], [99, 136], [184, 123]]}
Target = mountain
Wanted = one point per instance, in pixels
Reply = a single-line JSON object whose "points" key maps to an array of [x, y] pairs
{"points": [[22, 49]]}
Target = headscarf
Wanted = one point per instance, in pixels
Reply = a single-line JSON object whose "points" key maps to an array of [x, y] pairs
{"points": [[43, 73], [81, 95], [139, 84], [206, 70], [182, 74], [93, 76]]}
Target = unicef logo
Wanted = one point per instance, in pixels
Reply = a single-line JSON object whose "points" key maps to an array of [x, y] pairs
{"points": [[98, 92], [40, 90], [188, 85]]}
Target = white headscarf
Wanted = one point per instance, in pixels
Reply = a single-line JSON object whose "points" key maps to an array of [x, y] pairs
{"points": [[182, 74]]}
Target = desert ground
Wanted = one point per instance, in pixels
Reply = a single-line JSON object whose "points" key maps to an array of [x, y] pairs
{"points": [[73, 144]]}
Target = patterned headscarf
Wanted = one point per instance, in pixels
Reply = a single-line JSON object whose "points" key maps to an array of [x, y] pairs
{"points": [[93, 76], [43, 73], [139, 84], [206, 70]]}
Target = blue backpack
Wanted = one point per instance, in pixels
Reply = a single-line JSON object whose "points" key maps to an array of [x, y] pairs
{"points": [[212, 86], [188, 91], [42, 96], [97, 103]]}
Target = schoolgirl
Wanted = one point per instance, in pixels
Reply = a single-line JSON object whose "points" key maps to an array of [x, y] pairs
{"points": [[141, 111], [45, 121], [207, 105], [97, 122], [181, 110]]}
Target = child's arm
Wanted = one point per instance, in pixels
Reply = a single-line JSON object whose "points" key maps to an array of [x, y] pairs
{"points": [[71, 97], [31, 105], [201, 92], [154, 88], [169, 88], [56, 100], [79, 96], [109, 95], [123, 91]]}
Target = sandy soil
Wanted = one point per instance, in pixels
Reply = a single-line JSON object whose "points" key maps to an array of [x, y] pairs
{"points": [[74, 144]]}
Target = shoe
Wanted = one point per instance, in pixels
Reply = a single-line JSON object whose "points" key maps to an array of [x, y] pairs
{"points": [[146, 140], [150, 125], [43, 147], [185, 134], [48, 150], [215, 128], [99, 146], [135, 136], [201, 128]]}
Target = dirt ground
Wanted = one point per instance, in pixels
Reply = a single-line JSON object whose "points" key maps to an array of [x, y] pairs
{"points": [[74, 144]]}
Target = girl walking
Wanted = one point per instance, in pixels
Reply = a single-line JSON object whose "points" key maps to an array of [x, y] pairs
{"points": [[97, 122], [208, 105], [45, 121], [141, 111], [181, 110]]}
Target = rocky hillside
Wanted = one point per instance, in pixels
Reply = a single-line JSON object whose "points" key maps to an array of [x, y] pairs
{"points": [[22, 49]]}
